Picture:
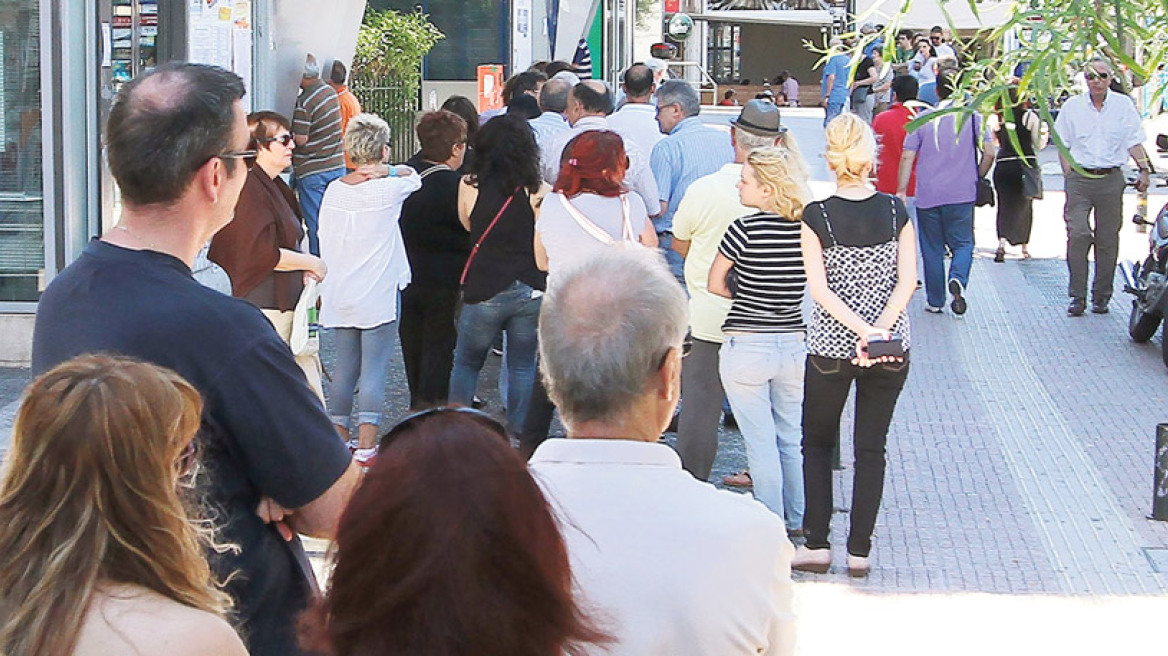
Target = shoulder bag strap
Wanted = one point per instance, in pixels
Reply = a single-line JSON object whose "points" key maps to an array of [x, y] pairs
{"points": [[627, 229], [475, 250], [586, 224]]}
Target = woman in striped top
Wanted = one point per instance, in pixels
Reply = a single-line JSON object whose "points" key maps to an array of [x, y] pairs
{"points": [[762, 358]]}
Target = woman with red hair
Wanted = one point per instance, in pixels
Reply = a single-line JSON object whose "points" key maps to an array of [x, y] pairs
{"points": [[589, 208], [449, 548]]}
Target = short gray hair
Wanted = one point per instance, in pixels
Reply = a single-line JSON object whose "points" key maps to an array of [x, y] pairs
{"points": [[553, 96], [679, 92], [748, 141], [365, 137], [604, 330], [1098, 59]]}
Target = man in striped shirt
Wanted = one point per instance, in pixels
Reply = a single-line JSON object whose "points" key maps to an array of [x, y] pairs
{"points": [[319, 156]]}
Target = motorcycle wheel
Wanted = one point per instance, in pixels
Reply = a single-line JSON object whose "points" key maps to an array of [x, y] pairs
{"points": [[1141, 326], [1164, 349]]}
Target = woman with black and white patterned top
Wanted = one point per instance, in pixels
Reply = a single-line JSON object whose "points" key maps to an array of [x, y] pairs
{"points": [[762, 356], [859, 252]]}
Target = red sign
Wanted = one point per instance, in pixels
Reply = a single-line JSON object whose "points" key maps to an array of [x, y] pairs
{"points": [[672, 6]]}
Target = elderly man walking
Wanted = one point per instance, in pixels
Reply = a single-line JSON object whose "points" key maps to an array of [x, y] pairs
{"points": [[177, 137], [319, 157], [709, 207], [690, 151], [675, 567], [1102, 129]]}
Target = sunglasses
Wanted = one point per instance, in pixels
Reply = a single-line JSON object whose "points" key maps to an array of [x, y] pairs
{"points": [[411, 421], [934, 38], [283, 139], [1098, 76], [238, 154]]}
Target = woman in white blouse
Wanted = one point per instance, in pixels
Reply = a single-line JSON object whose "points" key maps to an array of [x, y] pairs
{"points": [[361, 243]]}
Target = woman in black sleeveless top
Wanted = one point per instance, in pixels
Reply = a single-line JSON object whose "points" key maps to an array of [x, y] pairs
{"points": [[1015, 211], [502, 286]]}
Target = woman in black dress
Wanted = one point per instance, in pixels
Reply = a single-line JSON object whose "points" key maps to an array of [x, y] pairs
{"points": [[1015, 211]]}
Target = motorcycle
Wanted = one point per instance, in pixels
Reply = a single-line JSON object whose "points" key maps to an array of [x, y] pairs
{"points": [[1148, 281]]}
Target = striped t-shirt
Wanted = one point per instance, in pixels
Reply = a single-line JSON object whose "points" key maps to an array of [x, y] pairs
{"points": [[766, 253], [317, 116]]}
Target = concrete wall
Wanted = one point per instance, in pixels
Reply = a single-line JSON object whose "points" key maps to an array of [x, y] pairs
{"points": [[767, 50], [16, 339]]}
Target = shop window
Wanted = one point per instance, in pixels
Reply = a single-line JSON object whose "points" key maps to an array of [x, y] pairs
{"points": [[22, 234], [724, 53]]}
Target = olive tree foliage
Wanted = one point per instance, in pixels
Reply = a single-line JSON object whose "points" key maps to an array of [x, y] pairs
{"points": [[391, 45], [1055, 40]]}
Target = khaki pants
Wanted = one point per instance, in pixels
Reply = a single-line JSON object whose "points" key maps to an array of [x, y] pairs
{"points": [[282, 322]]}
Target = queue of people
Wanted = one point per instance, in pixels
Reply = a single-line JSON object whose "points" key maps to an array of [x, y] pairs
{"points": [[158, 494]]}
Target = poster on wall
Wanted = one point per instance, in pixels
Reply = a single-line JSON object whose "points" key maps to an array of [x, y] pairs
{"points": [[220, 34], [520, 35]]}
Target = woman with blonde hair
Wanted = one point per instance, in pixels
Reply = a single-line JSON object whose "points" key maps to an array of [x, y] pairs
{"points": [[100, 556], [762, 357], [860, 257]]}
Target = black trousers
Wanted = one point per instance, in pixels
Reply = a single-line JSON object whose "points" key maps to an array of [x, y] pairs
{"points": [[428, 334], [827, 382]]}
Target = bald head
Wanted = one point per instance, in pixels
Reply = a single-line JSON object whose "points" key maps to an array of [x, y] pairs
{"points": [[594, 97], [638, 83], [604, 330], [166, 124], [553, 97]]}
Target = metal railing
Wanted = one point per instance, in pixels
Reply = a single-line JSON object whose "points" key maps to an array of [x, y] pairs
{"points": [[398, 106]]}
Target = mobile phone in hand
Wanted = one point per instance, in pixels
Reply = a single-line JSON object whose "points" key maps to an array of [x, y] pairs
{"points": [[879, 347]]}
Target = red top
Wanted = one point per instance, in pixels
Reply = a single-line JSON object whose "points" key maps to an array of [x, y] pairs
{"points": [[889, 128]]}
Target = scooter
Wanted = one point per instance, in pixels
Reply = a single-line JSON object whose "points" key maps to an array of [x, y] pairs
{"points": [[1148, 283]]}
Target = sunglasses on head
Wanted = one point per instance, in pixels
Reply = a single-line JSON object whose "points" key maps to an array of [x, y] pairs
{"points": [[1094, 75], [410, 421], [283, 139]]}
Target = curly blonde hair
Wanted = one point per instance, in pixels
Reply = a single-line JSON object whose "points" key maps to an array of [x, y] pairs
{"points": [[851, 148], [782, 169], [91, 495]]}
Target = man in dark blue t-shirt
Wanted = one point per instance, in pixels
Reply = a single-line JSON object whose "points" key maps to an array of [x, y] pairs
{"points": [[175, 140]]}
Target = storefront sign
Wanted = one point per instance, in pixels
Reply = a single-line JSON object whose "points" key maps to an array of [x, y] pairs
{"points": [[680, 27]]}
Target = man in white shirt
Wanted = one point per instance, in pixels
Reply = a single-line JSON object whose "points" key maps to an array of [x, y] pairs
{"points": [[709, 206], [1101, 129], [937, 39], [636, 120], [672, 565], [553, 101], [589, 103]]}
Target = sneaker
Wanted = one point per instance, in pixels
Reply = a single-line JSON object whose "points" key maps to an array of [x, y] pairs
{"points": [[811, 560], [1077, 307], [365, 457], [1100, 308], [859, 566], [931, 309], [958, 305]]}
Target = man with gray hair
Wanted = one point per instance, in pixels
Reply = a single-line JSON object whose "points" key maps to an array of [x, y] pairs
{"points": [[610, 337], [553, 100], [690, 151], [319, 156]]}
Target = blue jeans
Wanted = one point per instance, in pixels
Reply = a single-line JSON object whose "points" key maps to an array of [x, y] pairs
{"points": [[833, 110], [674, 259], [311, 191], [763, 378], [946, 225], [362, 360], [515, 311]]}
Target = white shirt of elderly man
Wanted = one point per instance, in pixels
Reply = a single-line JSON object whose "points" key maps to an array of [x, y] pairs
{"points": [[666, 564]]}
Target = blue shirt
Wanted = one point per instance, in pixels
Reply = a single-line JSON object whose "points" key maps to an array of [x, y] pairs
{"points": [[837, 65], [692, 150]]}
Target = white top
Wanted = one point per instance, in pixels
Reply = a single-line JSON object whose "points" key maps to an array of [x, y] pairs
{"points": [[945, 51], [1100, 139], [672, 566], [928, 72], [639, 178], [567, 243], [361, 243], [709, 206], [637, 122]]}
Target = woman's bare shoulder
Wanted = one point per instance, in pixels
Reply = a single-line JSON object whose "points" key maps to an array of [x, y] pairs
{"points": [[133, 620]]}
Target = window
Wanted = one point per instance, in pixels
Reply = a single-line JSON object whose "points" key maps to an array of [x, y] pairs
{"points": [[22, 233], [724, 54]]}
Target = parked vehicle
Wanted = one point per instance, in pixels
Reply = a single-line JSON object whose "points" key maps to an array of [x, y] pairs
{"points": [[1148, 283]]}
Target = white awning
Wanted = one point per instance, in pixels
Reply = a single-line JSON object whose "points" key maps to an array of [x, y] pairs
{"points": [[803, 17]]}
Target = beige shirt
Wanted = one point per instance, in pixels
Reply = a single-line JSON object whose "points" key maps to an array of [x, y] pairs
{"points": [[127, 619], [709, 207]]}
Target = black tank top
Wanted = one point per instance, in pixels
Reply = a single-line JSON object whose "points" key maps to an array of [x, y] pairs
{"points": [[1025, 138], [508, 252]]}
